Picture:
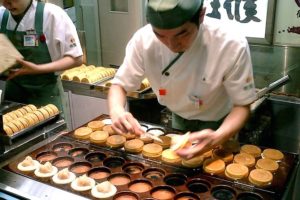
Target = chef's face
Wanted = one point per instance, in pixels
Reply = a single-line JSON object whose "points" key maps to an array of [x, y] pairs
{"points": [[15, 7], [178, 39]]}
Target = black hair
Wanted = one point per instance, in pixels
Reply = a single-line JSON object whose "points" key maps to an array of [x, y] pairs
{"points": [[195, 18]]}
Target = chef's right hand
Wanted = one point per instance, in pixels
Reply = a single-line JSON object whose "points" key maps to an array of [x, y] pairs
{"points": [[124, 122]]}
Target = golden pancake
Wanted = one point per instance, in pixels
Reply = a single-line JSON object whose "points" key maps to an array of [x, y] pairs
{"points": [[7, 118], [152, 150], [44, 113], [128, 136], [49, 110], [166, 141], [53, 108], [39, 115], [222, 154], [236, 171], [251, 149], [23, 121], [13, 127], [99, 137], [134, 145], [83, 133], [23, 111], [115, 141], [8, 130], [12, 115], [109, 129], [32, 107], [27, 108], [196, 161], [273, 154], [96, 125], [214, 166], [267, 164], [260, 177], [29, 120], [18, 113], [207, 154], [244, 159], [18, 124], [169, 156]]}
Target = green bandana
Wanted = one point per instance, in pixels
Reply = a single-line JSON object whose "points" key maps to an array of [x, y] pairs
{"points": [[168, 14]]}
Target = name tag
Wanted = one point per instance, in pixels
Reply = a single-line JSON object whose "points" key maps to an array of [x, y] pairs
{"points": [[29, 40]]}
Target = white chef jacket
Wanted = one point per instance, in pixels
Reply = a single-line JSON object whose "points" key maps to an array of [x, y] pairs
{"points": [[60, 32], [204, 83]]}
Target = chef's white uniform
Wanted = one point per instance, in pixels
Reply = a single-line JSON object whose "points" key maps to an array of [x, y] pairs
{"points": [[204, 83]]}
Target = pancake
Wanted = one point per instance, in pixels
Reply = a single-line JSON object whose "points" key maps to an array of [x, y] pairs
{"points": [[115, 141], [214, 166], [273, 154], [8, 130], [169, 156], [49, 110], [134, 146], [179, 141], [53, 108], [166, 141], [260, 177], [99, 137], [146, 139], [96, 125], [83, 183], [18, 124], [83, 133], [236, 171], [152, 150], [267, 164], [128, 136], [226, 156], [44, 113], [64, 176], [196, 161], [34, 117], [23, 121], [104, 190], [28, 164], [244, 159], [251, 149], [109, 129], [12, 126]]}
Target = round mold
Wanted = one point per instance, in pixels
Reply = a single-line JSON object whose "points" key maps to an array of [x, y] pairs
{"points": [[63, 162], [126, 195], [62, 147], [175, 179], [223, 192], [46, 156], [198, 185], [133, 168], [94, 157], [140, 186], [154, 173], [80, 168], [78, 152], [113, 162], [163, 192], [99, 173], [249, 196], [119, 179], [186, 196]]}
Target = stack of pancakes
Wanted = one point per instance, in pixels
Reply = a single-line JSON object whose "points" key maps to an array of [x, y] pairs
{"points": [[27, 116]]}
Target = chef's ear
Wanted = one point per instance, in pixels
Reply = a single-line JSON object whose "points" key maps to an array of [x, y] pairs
{"points": [[202, 14]]}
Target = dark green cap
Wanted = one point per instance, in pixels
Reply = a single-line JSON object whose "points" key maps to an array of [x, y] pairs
{"points": [[168, 14]]}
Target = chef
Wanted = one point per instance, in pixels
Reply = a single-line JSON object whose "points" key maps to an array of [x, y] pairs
{"points": [[46, 37], [202, 72]]}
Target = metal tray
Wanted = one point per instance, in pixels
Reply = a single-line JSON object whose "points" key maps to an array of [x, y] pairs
{"points": [[8, 140]]}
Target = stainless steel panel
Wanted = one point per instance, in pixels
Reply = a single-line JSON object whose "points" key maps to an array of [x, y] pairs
{"points": [[272, 62]]}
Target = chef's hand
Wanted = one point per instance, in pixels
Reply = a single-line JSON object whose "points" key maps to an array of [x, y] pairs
{"points": [[27, 68], [202, 141], [124, 122]]}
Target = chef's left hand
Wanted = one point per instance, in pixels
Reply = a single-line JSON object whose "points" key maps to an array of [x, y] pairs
{"points": [[27, 68], [202, 141]]}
